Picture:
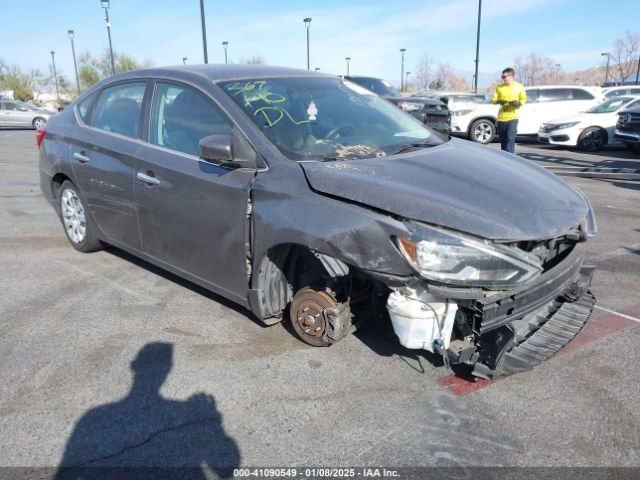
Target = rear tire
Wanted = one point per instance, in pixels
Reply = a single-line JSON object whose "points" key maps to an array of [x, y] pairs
{"points": [[592, 139], [482, 131], [76, 220], [39, 123]]}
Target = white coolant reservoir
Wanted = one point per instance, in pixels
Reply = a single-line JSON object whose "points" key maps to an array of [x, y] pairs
{"points": [[421, 320]]}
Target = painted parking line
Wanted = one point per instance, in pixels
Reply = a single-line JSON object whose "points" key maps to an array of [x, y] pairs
{"points": [[628, 317], [595, 329]]}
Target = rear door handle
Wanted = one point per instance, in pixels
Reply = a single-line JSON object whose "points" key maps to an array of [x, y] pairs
{"points": [[148, 179], [81, 157]]}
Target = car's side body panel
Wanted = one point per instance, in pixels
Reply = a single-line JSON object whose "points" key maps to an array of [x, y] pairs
{"points": [[193, 217]]}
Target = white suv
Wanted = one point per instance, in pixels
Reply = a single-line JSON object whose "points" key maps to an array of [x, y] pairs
{"points": [[478, 121]]}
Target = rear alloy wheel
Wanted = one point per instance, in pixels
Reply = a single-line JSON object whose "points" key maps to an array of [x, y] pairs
{"points": [[592, 139], [77, 223], [308, 315], [39, 123], [482, 131]]}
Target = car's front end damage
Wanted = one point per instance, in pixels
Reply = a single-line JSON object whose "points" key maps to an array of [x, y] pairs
{"points": [[498, 307], [497, 249]]}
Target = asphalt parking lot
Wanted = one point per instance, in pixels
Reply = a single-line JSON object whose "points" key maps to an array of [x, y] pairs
{"points": [[103, 349]]}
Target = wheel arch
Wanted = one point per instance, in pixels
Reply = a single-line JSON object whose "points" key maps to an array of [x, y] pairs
{"points": [[602, 129], [284, 269], [56, 184]]}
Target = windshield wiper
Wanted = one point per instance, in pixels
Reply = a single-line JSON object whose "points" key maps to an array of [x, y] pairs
{"points": [[409, 146]]}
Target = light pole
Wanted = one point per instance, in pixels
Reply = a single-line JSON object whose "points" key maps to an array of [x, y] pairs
{"points": [[184, 60], [606, 73], [204, 32], [347, 59], [307, 24], [638, 71], [225, 44], [55, 75], [73, 51], [475, 77], [402, 50], [557, 73], [105, 5], [406, 82]]}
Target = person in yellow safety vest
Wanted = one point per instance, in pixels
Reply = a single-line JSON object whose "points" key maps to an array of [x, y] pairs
{"points": [[510, 95]]}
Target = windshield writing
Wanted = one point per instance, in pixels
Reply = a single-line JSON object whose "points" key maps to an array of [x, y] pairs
{"points": [[326, 119]]}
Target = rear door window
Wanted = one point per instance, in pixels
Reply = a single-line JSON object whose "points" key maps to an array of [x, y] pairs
{"points": [[533, 95], [181, 117], [579, 94], [554, 94], [118, 109]]}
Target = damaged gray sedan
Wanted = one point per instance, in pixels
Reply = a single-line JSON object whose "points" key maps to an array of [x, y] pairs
{"points": [[304, 197]]}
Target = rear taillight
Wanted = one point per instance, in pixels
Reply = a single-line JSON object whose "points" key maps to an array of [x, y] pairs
{"points": [[40, 134]]}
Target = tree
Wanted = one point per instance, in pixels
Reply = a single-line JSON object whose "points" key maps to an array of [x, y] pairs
{"points": [[87, 76], [15, 80], [255, 60], [624, 55], [459, 83], [91, 70], [424, 72], [443, 77], [535, 69]]}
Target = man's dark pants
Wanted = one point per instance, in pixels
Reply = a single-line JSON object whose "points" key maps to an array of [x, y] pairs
{"points": [[507, 132]]}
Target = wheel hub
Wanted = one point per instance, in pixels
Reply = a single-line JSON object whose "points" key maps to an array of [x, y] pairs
{"points": [[310, 313], [73, 215]]}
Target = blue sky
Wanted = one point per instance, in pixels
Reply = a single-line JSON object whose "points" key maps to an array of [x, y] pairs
{"points": [[572, 32]]}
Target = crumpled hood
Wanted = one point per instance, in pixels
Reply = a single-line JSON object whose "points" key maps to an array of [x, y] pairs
{"points": [[460, 185]]}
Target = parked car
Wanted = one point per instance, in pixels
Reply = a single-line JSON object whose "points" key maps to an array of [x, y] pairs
{"points": [[15, 114], [38, 108], [300, 196], [590, 130], [473, 120], [478, 121], [551, 101], [621, 90], [628, 128], [429, 111]]}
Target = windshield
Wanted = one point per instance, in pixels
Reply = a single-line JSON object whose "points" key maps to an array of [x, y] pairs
{"points": [[327, 119], [612, 105]]}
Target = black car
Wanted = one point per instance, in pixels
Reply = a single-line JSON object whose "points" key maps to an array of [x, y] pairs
{"points": [[628, 129], [430, 111], [303, 197]]}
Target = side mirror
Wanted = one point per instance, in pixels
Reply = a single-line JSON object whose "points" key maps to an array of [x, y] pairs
{"points": [[23, 109], [228, 150], [217, 149]]}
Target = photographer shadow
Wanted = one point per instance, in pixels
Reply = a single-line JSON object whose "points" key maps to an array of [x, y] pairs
{"points": [[145, 435]]}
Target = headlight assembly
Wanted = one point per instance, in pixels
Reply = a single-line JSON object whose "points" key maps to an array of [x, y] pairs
{"points": [[459, 113], [561, 126], [459, 260], [410, 106]]}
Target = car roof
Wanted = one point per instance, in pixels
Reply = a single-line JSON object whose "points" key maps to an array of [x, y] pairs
{"points": [[583, 87], [219, 72]]}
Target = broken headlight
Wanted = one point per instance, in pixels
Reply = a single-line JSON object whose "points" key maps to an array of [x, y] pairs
{"points": [[459, 260]]}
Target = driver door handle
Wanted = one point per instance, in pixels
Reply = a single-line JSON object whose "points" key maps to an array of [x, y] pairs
{"points": [[148, 179]]}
